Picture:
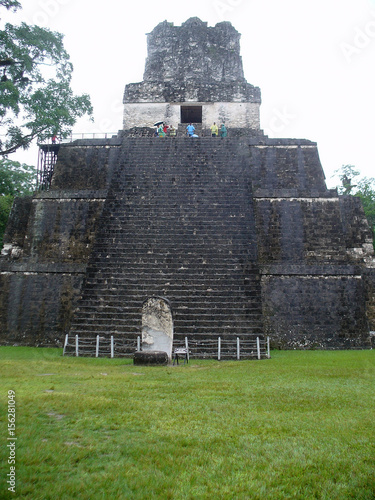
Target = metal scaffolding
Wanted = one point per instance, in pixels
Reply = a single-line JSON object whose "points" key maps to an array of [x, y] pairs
{"points": [[47, 158]]}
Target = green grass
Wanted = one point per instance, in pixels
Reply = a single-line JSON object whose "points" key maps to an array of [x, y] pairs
{"points": [[300, 425]]}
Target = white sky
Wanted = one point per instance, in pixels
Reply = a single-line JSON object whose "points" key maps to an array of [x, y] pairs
{"points": [[314, 62]]}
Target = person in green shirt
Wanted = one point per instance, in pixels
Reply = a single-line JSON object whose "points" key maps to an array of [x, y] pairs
{"points": [[223, 131], [161, 131]]}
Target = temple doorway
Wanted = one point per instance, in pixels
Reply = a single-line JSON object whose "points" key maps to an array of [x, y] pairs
{"points": [[191, 114]]}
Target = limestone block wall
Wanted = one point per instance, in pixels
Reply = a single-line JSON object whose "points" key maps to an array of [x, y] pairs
{"points": [[47, 247], [17, 224], [36, 306], [369, 278], [146, 114], [62, 229], [42, 278], [315, 308], [285, 168], [80, 167], [300, 229], [197, 91], [312, 250], [234, 115]]}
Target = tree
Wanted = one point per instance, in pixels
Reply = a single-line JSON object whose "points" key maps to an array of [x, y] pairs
{"points": [[16, 179], [366, 191], [10, 4], [364, 188], [346, 174], [36, 100]]}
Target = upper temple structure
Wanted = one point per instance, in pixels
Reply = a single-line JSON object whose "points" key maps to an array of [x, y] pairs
{"points": [[193, 74], [145, 241]]}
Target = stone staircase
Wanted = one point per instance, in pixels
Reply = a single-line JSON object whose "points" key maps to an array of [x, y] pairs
{"points": [[178, 222]]}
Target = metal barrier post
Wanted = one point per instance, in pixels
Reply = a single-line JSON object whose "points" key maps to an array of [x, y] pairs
{"points": [[258, 347], [112, 347], [65, 343]]}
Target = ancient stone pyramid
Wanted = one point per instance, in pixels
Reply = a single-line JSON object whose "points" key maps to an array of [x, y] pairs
{"points": [[239, 233]]}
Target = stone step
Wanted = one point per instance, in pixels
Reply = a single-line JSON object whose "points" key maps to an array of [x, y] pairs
{"points": [[181, 311], [180, 295], [92, 314], [114, 273], [205, 332], [180, 326], [147, 262]]}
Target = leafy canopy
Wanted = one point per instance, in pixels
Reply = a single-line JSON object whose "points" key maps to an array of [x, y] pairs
{"points": [[36, 100], [16, 179]]}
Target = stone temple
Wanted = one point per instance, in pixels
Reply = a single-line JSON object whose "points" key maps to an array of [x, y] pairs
{"points": [[193, 74], [239, 235]]}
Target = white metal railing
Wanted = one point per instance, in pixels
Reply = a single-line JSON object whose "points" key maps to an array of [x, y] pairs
{"points": [[83, 135], [218, 348]]}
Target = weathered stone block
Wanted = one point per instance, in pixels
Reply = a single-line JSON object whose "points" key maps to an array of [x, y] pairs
{"points": [[150, 358], [14, 237], [81, 168]]}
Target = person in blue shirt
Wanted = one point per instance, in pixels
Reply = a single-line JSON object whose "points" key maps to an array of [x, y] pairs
{"points": [[190, 130]]}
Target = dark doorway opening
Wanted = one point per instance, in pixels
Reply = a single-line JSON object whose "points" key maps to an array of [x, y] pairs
{"points": [[191, 114]]}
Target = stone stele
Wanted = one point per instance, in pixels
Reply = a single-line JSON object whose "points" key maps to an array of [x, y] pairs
{"points": [[157, 326]]}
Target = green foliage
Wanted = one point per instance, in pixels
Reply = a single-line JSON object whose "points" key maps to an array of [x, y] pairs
{"points": [[10, 4], [36, 100], [365, 190], [346, 175], [5, 206], [299, 425], [16, 179], [363, 187]]}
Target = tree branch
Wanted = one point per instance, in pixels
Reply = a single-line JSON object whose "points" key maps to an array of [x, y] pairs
{"points": [[23, 142]]}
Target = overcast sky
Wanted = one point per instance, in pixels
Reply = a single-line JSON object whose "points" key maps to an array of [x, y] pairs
{"points": [[313, 61]]}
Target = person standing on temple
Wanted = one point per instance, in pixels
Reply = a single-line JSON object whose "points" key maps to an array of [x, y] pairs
{"points": [[161, 131], [214, 130], [190, 130], [223, 131]]}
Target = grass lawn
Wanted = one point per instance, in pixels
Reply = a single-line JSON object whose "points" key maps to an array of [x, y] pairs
{"points": [[300, 425]]}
